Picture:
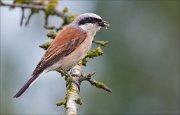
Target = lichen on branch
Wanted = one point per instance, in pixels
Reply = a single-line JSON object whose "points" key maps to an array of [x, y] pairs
{"points": [[72, 99], [91, 54]]}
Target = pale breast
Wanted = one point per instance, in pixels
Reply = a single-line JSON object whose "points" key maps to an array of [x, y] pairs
{"points": [[77, 54]]}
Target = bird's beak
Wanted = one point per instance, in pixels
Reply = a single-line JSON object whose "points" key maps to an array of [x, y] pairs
{"points": [[104, 24]]}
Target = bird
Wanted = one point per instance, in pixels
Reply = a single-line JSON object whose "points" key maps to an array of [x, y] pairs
{"points": [[69, 46]]}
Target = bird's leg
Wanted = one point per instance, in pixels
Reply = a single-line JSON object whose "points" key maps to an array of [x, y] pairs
{"points": [[72, 77], [66, 75], [63, 72]]}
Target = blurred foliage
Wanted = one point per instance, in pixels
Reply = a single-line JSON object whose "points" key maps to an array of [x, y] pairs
{"points": [[142, 59]]}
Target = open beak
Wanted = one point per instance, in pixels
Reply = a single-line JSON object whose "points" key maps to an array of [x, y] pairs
{"points": [[104, 24]]}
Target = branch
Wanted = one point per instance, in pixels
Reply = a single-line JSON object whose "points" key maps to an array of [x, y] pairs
{"points": [[73, 90], [28, 6], [97, 84], [51, 34], [73, 82], [72, 98], [45, 45], [48, 10], [101, 43], [91, 54]]}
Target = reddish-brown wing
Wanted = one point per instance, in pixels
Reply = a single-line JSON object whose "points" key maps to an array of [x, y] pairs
{"points": [[63, 44]]}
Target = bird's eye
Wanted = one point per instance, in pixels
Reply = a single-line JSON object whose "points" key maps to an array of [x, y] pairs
{"points": [[90, 19]]}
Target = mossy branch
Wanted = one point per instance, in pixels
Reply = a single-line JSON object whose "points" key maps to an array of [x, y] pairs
{"points": [[73, 82], [51, 34], [97, 84], [72, 99], [101, 43], [91, 54], [45, 45]]}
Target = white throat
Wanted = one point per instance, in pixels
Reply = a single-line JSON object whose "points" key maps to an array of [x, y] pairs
{"points": [[91, 29]]}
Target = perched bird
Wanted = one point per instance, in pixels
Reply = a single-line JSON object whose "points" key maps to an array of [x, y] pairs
{"points": [[69, 46]]}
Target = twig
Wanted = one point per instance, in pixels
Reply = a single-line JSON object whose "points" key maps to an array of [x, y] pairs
{"points": [[22, 17], [48, 11], [102, 43], [29, 17], [51, 34], [45, 45], [91, 54], [97, 84], [28, 6]]}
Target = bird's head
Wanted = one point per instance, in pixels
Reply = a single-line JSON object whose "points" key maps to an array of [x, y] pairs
{"points": [[90, 22]]}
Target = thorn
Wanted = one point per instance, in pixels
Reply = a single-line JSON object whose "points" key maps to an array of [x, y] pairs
{"points": [[22, 17], [90, 75], [29, 17]]}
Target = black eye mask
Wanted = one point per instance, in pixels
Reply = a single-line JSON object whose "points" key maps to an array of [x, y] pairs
{"points": [[89, 20]]}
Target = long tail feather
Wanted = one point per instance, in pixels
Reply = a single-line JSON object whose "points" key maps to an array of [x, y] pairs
{"points": [[28, 84]]}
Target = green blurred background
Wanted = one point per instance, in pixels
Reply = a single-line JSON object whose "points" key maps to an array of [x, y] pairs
{"points": [[141, 63]]}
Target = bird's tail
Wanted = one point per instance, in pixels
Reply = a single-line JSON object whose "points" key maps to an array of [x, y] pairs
{"points": [[28, 84]]}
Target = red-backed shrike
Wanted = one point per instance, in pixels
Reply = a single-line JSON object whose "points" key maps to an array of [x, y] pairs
{"points": [[68, 47]]}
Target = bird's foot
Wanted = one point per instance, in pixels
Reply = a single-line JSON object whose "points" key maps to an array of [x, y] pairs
{"points": [[63, 72], [69, 78]]}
